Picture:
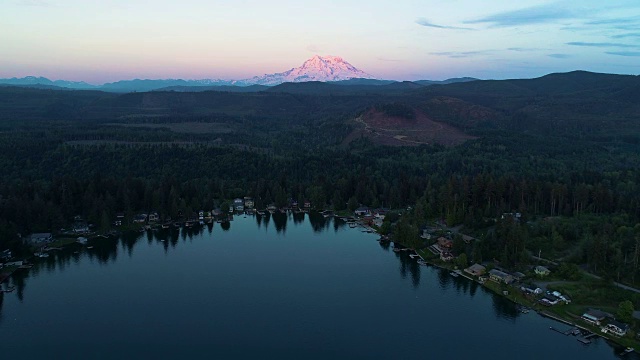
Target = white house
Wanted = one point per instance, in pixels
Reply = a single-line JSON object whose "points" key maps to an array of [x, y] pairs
{"points": [[541, 270]]}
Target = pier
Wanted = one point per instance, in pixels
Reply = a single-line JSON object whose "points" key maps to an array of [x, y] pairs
{"points": [[584, 340], [567, 332]]}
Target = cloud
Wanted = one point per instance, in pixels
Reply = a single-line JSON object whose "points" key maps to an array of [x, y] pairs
{"points": [[628, 35], [532, 15], [601, 44], [520, 49], [615, 21], [462, 54], [623, 53], [559, 56], [427, 23], [628, 23]]}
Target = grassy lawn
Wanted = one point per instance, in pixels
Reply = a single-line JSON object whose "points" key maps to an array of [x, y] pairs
{"points": [[62, 242], [596, 292], [514, 295]]}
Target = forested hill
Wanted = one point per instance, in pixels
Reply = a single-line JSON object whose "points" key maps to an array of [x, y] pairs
{"points": [[576, 104], [559, 145]]}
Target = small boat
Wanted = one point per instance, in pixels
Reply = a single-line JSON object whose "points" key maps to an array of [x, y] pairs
{"points": [[627, 350], [89, 247], [422, 262], [454, 274], [396, 250]]}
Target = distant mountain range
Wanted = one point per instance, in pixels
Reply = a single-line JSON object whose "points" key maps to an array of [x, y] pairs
{"points": [[332, 69]]}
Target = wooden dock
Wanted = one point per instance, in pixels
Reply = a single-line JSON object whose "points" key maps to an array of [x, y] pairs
{"points": [[567, 332], [584, 340]]}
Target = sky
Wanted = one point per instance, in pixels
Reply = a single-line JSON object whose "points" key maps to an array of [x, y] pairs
{"points": [[100, 41]]}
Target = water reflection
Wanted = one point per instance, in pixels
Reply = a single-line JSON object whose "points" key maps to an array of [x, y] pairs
{"points": [[106, 251], [318, 222], [280, 222], [385, 245], [504, 308], [298, 217]]}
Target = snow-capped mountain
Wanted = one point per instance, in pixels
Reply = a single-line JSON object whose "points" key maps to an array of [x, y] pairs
{"points": [[318, 68]]}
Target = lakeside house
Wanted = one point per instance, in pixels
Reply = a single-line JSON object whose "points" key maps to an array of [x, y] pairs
{"points": [[531, 290], [541, 270], [500, 276], [515, 216], [39, 238], [476, 270], [248, 202], [306, 205], [593, 316], [140, 218], [425, 233], [119, 219], [6, 254], [362, 210], [549, 300], [446, 256], [153, 217], [518, 276], [80, 227], [380, 213], [238, 204], [444, 244], [616, 327]]}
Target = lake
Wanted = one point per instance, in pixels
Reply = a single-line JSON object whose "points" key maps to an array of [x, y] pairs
{"points": [[283, 286]]}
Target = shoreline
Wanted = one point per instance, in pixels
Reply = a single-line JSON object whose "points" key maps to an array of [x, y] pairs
{"points": [[542, 313]]}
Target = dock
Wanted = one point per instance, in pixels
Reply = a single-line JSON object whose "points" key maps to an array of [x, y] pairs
{"points": [[551, 316], [584, 340], [567, 332]]}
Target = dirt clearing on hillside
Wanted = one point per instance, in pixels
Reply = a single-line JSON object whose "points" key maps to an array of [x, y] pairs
{"points": [[396, 131]]}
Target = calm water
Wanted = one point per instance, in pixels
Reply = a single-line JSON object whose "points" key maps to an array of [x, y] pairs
{"points": [[265, 288]]}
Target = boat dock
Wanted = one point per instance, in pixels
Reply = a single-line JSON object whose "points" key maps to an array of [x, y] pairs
{"points": [[584, 340], [567, 332]]}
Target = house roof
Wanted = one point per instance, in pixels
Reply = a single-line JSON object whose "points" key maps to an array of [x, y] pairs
{"points": [[498, 273], [597, 314], [477, 266], [476, 269], [619, 325], [541, 268]]}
